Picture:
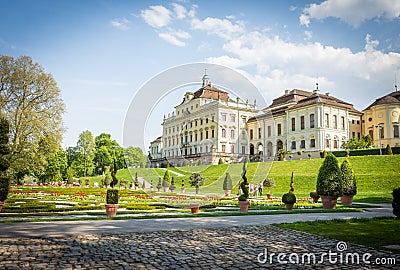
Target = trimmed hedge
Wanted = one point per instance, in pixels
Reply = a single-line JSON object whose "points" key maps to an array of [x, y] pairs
{"points": [[364, 152]]}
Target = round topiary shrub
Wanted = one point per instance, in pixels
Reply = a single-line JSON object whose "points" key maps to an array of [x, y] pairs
{"points": [[329, 181]]}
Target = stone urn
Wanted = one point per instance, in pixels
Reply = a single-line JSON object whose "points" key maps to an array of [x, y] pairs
{"points": [[347, 200], [194, 208], [244, 206], [111, 210], [289, 206], [329, 202]]}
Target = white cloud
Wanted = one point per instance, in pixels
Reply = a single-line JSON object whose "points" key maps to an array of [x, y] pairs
{"points": [[174, 38], [308, 35], [156, 16], [223, 28], [279, 65], [121, 24], [353, 12], [180, 11]]}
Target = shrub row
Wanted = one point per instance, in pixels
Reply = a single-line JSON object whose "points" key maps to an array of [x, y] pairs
{"points": [[363, 152]]}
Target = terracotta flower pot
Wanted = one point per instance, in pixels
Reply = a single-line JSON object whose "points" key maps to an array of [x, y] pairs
{"points": [[244, 206], [111, 210], [269, 196], [227, 192], [1, 205], [329, 202], [289, 206], [347, 200], [194, 208]]}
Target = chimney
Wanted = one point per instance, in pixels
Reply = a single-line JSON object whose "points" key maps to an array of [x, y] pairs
{"points": [[286, 92], [327, 93]]}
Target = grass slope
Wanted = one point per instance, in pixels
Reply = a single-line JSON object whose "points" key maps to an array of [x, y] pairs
{"points": [[376, 176]]}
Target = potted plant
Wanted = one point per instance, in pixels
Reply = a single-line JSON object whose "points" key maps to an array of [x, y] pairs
{"points": [[136, 181], [289, 199], [314, 195], [227, 186], [166, 181], [269, 183], [159, 185], [172, 186], [349, 186], [329, 182], [244, 185], [196, 180], [4, 161], [112, 202]]}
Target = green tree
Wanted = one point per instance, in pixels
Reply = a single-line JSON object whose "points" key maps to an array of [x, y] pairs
{"points": [[329, 180], [70, 175], [31, 100], [4, 161], [196, 180], [134, 157], [86, 145], [349, 186]]}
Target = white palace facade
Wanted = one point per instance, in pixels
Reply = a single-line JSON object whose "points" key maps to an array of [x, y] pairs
{"points": [[208, 126]]}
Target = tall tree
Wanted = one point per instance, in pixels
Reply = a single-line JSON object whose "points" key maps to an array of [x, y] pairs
{"points": [[86, 145], [134, 157], [31, 101]]}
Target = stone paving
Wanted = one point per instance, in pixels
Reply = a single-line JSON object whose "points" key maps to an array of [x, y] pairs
{"points": [[241, 247]]}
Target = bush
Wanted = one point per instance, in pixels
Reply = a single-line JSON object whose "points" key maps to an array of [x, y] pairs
{"points": [[389, 150], [220, 161], [4, 160], [112, 196], [227, 182], [349, 186], [269, 183], [329, 177], [396, 202], [289, 198], [196, 180], [314, 194]]}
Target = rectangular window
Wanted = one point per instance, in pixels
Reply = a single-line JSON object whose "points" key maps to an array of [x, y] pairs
{"points": [[251, 134], [279, 129], [195, 137], [232, 134], [326, 120], [232, 149], [353, 134], [212, 118], [359, 135], [293, 145], [212, 133], [243, 150], [201, 121], [244, 119], [223, 117], [191, 137], [312, 124], [269, 131], [334, 121], [233, 118], [259, 133], [293, 124], [303, 144], [223, 133], [223, 148], [327, 143], [201, 135], [381, 132], [207, 120], [396, 131], [371, 133], [302, 122], [335, 144], [312, 143], [206, 134], [342, 122]]}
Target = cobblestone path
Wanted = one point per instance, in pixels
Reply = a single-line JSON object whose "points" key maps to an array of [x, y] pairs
{"points": [[249, 247]]}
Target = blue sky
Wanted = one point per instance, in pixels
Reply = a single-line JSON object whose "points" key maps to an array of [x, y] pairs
{"points": [[101, 52]]}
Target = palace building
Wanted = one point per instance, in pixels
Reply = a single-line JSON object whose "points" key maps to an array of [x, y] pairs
{"points": [[208, 126]]}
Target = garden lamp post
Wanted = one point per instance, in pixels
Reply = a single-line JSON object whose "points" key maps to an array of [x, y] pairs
{"points": [[380, 127]]}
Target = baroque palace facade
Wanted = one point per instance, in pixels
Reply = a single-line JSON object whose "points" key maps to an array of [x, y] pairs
{"points": [[208, 126]]}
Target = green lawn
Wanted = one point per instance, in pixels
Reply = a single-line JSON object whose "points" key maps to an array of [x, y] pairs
{"points": [[376, 176], [375, 233]]}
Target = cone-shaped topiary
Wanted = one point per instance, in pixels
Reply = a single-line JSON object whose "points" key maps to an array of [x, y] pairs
{"points": [[389, 150], [159, 185], [244, 185], [227, 182], [329, 181], [349, 186]]}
